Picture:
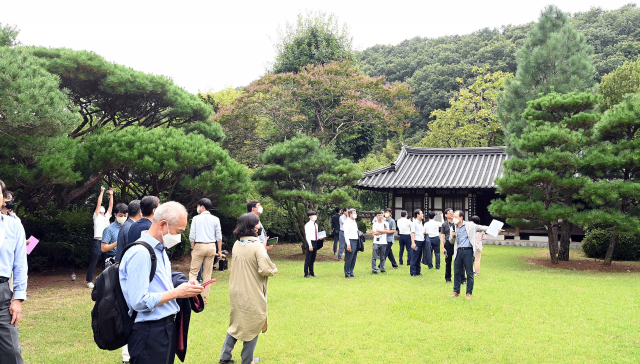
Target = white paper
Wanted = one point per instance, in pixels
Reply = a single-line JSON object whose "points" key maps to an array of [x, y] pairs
{"points": [[322, 235], [494, 228]]}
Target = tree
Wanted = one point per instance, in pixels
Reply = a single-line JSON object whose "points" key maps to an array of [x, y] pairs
{"points": [[315, 39], [624, 80], [8, 35], [613, 163], [472, 119], [554, 57], [540, 181], [218, 99], [300, 175], [329, 102]]}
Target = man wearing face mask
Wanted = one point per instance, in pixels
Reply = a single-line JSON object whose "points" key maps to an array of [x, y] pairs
{"points": [[464, 251], [351, 236], [311, 234], [100, 222], [154, 334], [205, 236], [110, 234], [8, 205], [446, 246], [255, 207]]}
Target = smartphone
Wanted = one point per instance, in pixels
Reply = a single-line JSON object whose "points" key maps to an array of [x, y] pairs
{"points": [[208, 283], [272, 241]]}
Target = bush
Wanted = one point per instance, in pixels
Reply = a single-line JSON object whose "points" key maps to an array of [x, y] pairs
{"points": [[362, 225], [596, 243]]}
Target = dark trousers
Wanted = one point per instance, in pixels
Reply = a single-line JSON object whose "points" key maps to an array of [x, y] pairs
{"points": [[405, 242], [448, 247], [96, 255], [389, 254], [415, 261], [310, 258], [463, 263], [153, 342], [350, 258], [336, 242], [10, 349], [434, 248]]}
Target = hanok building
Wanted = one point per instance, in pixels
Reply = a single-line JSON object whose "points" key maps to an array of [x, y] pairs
{"points": [[432, 179]]}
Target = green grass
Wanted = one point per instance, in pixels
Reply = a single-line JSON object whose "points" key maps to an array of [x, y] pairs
{"points": [[520, 313]]}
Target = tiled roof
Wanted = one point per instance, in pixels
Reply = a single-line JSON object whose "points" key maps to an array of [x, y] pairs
{"points": [[439, 168]]}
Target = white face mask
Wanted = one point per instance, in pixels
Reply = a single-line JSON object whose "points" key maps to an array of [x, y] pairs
{"points": [[456, 221], [260, 209], [314, 218], [121, 220], [355, 216], [171, 240]]}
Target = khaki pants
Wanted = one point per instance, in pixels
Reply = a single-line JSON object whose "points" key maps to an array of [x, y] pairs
{"points": [[202, 252]]}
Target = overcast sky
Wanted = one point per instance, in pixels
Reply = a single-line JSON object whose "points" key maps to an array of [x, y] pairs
{"points": [[211, 44]]}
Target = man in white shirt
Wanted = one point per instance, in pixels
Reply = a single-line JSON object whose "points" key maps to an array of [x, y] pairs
{"points": [[417, 243], [351, 236], [255, 207], [311, 235], [404, 231], [100, 222], [432, 227], [343, 240], [205, 237], [380, 231]]}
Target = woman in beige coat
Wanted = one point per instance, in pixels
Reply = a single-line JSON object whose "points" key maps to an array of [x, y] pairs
{"points": [[250, 270]]}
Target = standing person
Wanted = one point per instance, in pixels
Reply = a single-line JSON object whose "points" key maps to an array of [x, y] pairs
{"points": [[432, 227], [133, 215], [154, 333], [148, 206], [109, 244], [446, 245], [464, 250], [380, 229], [335, 228], [351, 237], [404, 230], [8, 206], [479, 237], [417, 243], [100, 222], [13, 263], [311, 235], [343, 241], [255, 207], [205, 236], [250, 269], [390, 238]]}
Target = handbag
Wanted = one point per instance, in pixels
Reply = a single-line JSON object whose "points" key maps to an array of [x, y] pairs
{"points": [[361, 240], [223, 264]]}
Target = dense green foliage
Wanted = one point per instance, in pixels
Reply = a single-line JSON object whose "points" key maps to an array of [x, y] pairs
{"points": [[596, 244], [615, 85]]}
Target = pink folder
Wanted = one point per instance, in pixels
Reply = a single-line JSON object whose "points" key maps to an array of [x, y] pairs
{"points": [[32, 244]]}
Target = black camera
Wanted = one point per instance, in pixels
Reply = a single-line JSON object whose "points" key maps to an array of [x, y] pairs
{"points": [[10, 204]]}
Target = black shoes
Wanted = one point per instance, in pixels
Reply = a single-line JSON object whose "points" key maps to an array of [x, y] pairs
{"points": [[306, 276], [313, 275], [383, 271], [448, 281], [374, 271]]}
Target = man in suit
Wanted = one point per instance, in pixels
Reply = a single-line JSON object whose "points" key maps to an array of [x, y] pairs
{"points": [[311, 235], [464, 251], [335, 228]]}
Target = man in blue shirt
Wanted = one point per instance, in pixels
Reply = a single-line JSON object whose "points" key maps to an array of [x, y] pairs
{"points": [[464, 251], [134, 214], [110, 234], [148, 205], [13, 263], [153, 338]]}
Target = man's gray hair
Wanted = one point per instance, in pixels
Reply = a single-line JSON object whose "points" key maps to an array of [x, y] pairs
{"points": [[169, 212]]}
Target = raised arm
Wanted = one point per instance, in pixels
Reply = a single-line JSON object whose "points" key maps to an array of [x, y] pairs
{"points": [[99, 200], [110, 202]]}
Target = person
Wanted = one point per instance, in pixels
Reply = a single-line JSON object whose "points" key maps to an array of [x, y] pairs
{"points": [[446, 246], [8, 206], [250, 269], [464, 251], [380, 229], [205, 236], [255, 207], [110, 235], [148, 206], [311, 235], [479, 237], [133, 214], [390, 238], [404, 230], [153, 337], [335, 228], [351, 237], [417, 243], [13, 263], [100, 222], [432, 227], [343, 240]]}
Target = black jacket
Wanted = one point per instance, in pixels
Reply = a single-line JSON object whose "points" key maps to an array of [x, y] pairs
{"points": [[195, 304], [335, 223]]}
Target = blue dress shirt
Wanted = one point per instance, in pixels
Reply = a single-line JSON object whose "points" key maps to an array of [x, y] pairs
{"points": [[137, 228], [463, 238], [392, 226], [110, 236], [141, 295], [342, 220], [123, 238], [13, 255]]}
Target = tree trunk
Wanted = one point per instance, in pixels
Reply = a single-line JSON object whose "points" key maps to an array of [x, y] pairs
{"points": [[612, 247], [552, 233], [565, 241]]}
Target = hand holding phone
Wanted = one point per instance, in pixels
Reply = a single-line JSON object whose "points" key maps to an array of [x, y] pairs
{"points": [[208, 283]]}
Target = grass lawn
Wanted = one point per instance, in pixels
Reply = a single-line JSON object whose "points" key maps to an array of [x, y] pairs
{"points": [[520, 313]]}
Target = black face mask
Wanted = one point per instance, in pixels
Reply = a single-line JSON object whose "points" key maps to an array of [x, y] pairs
{"points": [[259, 231]]}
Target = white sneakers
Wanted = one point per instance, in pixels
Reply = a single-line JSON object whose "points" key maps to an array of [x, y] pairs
{"points": [[89, 285]]}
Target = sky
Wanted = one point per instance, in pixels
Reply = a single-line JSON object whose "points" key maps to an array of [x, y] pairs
{"points": [[210, 45]]}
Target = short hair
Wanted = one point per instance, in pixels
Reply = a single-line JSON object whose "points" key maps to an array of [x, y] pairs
{"points": [[134, 208], [121, 208], [147, 204], [417, 212], [206, 203], [460, 213], [387, 210], [431, 215], [351, 211], [7, 193], [446, 211], [345, 209], [246, 225], [251, 204], [311, 213], [169, 212], [403, 213], [337, 210], [379, 212], [475, 219]]}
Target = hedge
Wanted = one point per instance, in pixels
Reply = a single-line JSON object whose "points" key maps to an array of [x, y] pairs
{"points": [[596, 243]]}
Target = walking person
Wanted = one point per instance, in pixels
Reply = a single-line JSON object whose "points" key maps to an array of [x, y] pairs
{"points": [[335, 229], [100, 222], [343, 241], [109, 244], [311, 235], [205, 237], [404, 232], [13, 263], [154, 334], [446, 245], [417, 243], [479, 237], [432, 227], [380, 229], [351, 237], [464, 251], [390, 238], [148, 206], [250, 269]]}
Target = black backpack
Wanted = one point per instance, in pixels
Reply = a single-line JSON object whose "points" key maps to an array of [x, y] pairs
{"points": [[110, 319]]}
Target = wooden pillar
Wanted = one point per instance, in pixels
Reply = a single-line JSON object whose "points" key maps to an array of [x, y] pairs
{"points": [[426, 203], [386, 200]]}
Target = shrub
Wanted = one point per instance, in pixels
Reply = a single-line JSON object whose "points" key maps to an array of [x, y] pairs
{"points": [[596, 243], [362, 225]]}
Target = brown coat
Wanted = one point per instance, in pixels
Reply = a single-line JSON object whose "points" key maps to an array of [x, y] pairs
{"points": [[250, 270]]}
